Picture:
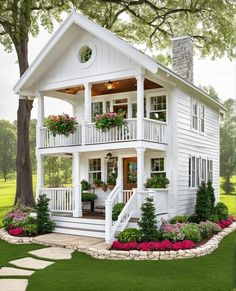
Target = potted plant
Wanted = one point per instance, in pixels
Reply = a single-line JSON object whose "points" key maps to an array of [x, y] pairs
{"points": [[157, 181], [108, 120], [97, 183], [104, 186], [61, 124], [85, 185], [89, 197], [111, 182]]}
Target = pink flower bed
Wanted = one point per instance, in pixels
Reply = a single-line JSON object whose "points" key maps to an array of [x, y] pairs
{"points": [[16, 231], [154, 246], [226, 222]]}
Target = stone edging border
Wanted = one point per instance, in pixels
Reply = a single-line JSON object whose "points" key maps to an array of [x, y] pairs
{"points": [[97, 253]]}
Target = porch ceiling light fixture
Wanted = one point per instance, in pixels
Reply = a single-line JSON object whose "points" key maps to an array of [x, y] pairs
{"points": [[111, 85], [109, 156]]}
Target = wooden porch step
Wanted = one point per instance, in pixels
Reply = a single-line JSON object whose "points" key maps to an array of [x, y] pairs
{"points": [[79, 220], [75, 231], [75, 225]]}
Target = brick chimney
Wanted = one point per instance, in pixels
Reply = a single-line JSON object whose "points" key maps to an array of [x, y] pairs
{"points": [[182, 57]]}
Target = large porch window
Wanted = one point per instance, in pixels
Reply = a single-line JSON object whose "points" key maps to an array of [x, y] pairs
{"points": [[158, 108], [94, 170]]}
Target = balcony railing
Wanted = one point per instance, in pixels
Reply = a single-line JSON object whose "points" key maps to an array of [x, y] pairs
{"points": [[88, 134]]}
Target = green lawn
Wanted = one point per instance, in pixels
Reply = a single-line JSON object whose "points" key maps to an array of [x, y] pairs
{"points": [[212, 272]]}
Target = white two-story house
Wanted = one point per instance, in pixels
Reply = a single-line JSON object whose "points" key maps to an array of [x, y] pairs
{"points": [[173, 126]]}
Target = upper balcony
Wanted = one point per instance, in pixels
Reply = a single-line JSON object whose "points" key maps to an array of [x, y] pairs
{"points": [[88, 134]]}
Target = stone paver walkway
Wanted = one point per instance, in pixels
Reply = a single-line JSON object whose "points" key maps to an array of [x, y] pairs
{"points": [[6, 271], [53, 253], [13, 284], [31, 263]]}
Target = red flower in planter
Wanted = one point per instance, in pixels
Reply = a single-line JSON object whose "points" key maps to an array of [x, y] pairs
{"points": [[188, 244], [16, 231], [225, 223]]}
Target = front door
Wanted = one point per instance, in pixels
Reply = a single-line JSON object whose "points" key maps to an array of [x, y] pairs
{"points": [[129, 173]]}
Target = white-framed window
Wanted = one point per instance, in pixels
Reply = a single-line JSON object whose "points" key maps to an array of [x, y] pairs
{"points": [[202, 118], [97, 108], [195, 115], [157, 167], [198, 116], [134, 110], [95, 171], [200, 170], [158, 108], [210, 170]]}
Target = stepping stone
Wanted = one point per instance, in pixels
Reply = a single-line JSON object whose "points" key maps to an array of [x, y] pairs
{"points": [[6, 271], [31, 263], [53, 253], [13, 284]]}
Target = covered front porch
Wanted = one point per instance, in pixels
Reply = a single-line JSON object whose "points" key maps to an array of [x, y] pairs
{"points": [[131, 167]]}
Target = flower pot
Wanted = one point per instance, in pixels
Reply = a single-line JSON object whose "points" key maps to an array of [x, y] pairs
{"points": [[111, 187], [104, 187]]}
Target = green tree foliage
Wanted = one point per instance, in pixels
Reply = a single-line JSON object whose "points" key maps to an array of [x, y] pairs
{"points": [[43, 221], [228, 145], [203, 203], [148, 221], [153, 23], [210, 90], [7, 148]]}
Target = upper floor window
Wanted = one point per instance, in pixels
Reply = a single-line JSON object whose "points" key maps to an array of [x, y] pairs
{"points": [[157, 166], [198, 116], [97, 108], [158, 108]]}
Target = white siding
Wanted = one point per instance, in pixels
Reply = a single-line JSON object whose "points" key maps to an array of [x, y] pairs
{"points": [[190, 142]]}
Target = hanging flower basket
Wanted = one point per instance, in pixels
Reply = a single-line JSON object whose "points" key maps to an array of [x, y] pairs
{"points": [[106, 121], [61, 124]]}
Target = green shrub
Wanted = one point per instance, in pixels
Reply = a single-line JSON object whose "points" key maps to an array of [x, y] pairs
{"points": [[43, 221], [31, 229], [203, 204], [85, 185], [179, 218], [117, 208], [193, 218], [148, 221], [87, 197], [129, 235], [213, 217], [221, 210], [157, 181], [211, 193], [191, 232], [228, 187]]}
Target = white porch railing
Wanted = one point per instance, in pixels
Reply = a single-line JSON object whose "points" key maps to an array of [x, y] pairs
{"points": [[94, 136], [154, 130], [61, 199], [160, 199], [48, 140], [126, 195]]}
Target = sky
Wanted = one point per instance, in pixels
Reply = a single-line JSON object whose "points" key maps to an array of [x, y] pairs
{"points": [[220, 73]]}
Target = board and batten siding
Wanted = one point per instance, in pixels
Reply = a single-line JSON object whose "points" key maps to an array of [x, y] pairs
{"points": [[190, 142]]}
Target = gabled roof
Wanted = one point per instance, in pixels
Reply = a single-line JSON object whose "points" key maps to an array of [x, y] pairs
{"points": [[107, 36]]}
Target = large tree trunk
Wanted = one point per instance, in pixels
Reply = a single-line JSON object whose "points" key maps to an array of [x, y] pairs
{"points": [[24, 187]]}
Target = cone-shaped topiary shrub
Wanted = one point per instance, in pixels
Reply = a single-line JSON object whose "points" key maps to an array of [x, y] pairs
{"points": [[203, 203], [211, 190], [148, 221], [43, 220]]}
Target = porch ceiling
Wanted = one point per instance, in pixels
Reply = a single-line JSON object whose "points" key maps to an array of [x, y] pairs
{"points": [[120, 86]]}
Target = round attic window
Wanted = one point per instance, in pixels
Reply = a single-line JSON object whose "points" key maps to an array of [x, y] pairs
{"points": [[85, 54]]}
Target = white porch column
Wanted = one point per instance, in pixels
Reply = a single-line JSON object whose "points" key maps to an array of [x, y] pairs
{"points": [[76, 184], [40, 175], [140, 106], [87, 102], [40, 121], [140, 176], [119, 180]]}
